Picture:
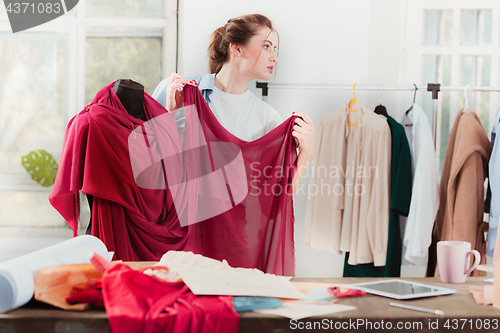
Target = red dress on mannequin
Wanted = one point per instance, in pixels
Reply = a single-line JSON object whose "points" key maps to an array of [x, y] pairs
{"points": [[209, 192]]}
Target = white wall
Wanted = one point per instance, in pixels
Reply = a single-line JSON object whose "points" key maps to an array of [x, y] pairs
{"points": [[321, 42]]}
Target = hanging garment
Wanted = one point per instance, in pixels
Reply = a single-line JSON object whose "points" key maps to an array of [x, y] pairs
{"points": [[425, 194], [212, 193], [401, 178], [460, 214], [492, 203], [136, 302], [348, 206]]}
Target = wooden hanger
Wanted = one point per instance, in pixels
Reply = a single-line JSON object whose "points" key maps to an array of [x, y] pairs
{"points": [[353, 100]]}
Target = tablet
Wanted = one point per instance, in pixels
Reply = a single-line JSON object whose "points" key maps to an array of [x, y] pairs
{"points": [[400, 289]]}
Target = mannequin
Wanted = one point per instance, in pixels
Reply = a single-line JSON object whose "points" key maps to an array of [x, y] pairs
{"points": [[131, 94]]}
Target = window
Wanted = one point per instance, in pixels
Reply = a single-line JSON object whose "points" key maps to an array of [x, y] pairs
{"points": [[50, 72], [455, 43]]}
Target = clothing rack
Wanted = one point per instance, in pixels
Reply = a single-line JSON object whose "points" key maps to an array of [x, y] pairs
{"points": [[434, 87]]}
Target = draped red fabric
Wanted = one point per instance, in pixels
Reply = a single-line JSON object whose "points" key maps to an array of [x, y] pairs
{"points": [[136, 302], [154, 190]]}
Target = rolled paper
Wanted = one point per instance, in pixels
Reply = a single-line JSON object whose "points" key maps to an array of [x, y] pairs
{"points": [[16, 275]]}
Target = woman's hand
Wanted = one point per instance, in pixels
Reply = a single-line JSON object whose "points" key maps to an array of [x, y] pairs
{"points": [[303, 130], [175, 98]]}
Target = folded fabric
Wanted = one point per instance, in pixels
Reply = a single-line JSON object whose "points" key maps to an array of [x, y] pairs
{"points": [[136, 302], [91, 294], [54, 284], [174, 261]]}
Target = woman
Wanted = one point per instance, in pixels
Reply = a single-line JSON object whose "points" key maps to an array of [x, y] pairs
{"points": [[249, 235], [242, 50]]}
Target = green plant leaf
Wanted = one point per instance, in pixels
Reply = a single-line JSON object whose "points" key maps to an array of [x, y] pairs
{"points": [[41, 166]]}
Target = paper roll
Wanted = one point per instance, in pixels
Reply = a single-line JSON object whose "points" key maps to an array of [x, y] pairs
{"points": [[16, 275]]}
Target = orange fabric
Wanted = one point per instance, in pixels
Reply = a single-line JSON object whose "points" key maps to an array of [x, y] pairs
{"points": [[54, 284]]}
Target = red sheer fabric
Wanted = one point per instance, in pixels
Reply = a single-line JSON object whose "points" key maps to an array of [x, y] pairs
{"points": [[154, 191], [136, 302]]}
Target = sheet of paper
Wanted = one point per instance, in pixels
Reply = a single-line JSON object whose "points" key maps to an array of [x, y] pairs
{"points": [[319, 291], [485, 268], [298, 310], [489, 293], [316, 292], [318, 299], [318, 295], [244, 282], [483, 294], [477, 293], [308, 287]]}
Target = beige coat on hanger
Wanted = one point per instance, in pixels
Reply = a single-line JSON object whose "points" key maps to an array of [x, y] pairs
{"points": [[348, 206], [460, 214]]}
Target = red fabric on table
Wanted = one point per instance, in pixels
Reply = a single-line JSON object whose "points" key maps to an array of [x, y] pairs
{"points": [[91, 294], [107, 153], [136, 302]]}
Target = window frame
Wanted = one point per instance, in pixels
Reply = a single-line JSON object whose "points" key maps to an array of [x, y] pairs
{"points": [[414, 48], [413, 51], [75, 26]]}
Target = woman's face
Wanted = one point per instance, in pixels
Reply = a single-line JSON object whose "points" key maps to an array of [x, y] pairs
{"points": [[258, 56]]}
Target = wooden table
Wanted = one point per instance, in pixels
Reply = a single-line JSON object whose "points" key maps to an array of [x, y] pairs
{"points": [[462, 314]]}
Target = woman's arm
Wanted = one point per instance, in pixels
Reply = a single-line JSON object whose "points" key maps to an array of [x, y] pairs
{"points": [[303, 130]]}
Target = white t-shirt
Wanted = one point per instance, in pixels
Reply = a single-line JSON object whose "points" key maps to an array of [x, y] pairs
{"points": [[244, 115]]}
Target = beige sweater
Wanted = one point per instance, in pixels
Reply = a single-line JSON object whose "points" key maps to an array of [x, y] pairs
{"points": [[348, 200]]}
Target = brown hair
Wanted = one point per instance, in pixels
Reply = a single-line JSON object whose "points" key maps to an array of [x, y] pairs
{"points": [[238, 31]]}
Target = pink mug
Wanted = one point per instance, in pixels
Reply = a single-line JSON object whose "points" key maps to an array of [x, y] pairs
{"points": [[453, 260]]}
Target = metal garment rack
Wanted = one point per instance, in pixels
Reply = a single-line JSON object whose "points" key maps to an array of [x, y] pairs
{"points": [[434, 87]]}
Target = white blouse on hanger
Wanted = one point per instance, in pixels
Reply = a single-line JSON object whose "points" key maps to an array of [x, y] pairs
{"points": [[494, 179], [425, 190]]}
